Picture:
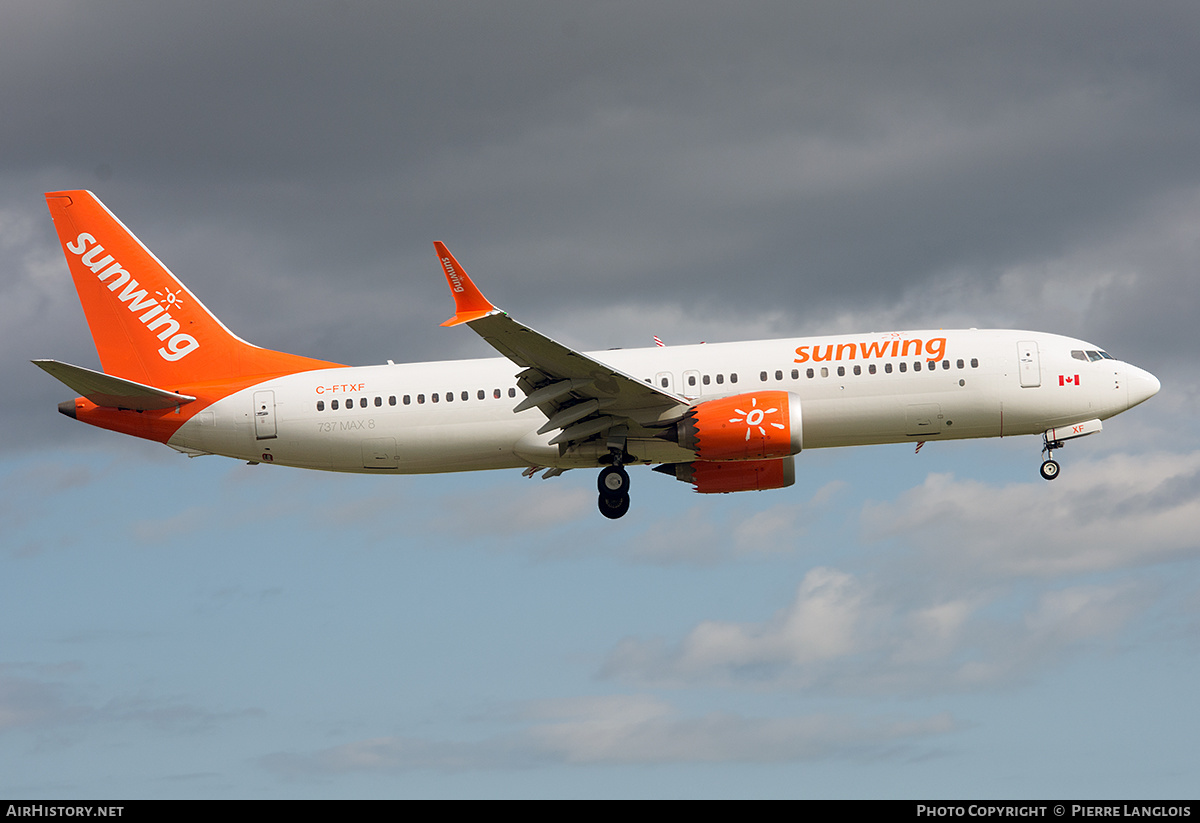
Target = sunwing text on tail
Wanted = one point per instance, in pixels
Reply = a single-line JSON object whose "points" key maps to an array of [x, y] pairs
{"points": [[724, 417]]}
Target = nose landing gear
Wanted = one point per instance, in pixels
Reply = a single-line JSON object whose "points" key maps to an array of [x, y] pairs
{"points": [[1056, 438], [1050, 467], [613, 484]]}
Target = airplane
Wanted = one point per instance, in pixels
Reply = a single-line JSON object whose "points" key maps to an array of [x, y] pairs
{"points": [[725, 417]]}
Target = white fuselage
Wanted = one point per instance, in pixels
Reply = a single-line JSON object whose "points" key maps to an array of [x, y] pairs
{"points": [[853, 390]]}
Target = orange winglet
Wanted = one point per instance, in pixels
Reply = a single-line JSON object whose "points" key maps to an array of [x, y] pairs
{"points": [[469, 302]]}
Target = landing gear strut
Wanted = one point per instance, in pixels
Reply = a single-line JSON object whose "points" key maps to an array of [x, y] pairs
{"points": [[1050, 467], [613, 484]]}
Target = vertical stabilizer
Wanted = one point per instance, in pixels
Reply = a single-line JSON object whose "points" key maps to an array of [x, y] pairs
{"points": [[146, 325]]}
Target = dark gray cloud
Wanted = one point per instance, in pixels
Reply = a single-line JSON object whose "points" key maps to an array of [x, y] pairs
{"points": [[657, 168]]}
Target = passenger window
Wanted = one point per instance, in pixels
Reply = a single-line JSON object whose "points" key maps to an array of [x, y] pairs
{"points": [[378, 401], [887, 367], [362, 402], [449, 397], [733, 377], [665, 382], [704, 379], [960, 364], [945, 365], [824, 371], [320, 405], [512, 392], [903, 367], [871, 368], [392, 400], [496, 394], [720, 379], [810, 373], [974, 362], [408, 399], [482, 394], [841, 371], [778, 375], [420, 399], [916, 365], [858, 370], [762, 375], [333, 405], [433, 398], [465, 396], [795, 374]]}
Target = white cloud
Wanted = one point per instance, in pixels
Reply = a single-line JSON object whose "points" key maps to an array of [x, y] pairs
{"points": [[719, 528], [513, 510], [828, 620], [822, 623], [626, 729], [643, 729], [44, 702], [843, 636], [775, 530], [1119, 511]]}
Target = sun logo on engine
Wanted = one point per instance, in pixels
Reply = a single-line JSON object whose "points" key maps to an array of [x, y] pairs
{"points": [[171, 298], [756, 418]]}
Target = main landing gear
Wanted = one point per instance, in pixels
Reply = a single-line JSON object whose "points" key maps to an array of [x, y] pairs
{"points": [[1050, 467], [613, 484]]}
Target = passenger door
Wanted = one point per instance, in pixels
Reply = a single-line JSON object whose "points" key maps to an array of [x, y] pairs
{"points": [[1029, 363]]}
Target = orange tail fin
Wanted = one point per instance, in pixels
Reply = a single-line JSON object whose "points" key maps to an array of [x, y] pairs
{"points": [[146, 325]]}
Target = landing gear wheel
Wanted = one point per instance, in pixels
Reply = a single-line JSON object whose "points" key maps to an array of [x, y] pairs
{"points": [[614, 507], [614, 482], [1049, 470]]}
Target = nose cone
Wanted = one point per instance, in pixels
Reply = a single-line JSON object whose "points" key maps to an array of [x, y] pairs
{"points": [[1142, 385]]}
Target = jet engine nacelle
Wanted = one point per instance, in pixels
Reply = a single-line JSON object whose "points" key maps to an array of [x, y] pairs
{"points": [[735, 476], [754, 426]]}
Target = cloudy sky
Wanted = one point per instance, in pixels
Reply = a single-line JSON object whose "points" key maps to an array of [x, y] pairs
{"points": [[938, 625]]}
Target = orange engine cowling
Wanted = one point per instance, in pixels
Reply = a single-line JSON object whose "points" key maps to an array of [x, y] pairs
{"points": [[740, 476], [754, 426]]}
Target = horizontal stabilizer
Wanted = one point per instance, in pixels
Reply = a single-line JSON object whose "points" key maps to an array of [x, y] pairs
{"points": [[113, 392]]}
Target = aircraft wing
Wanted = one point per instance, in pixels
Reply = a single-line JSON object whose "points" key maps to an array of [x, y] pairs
{"points": [[578, 394], [114, 392]]}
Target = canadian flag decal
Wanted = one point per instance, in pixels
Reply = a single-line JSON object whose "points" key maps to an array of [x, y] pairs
{"points": [[1068, 380]]}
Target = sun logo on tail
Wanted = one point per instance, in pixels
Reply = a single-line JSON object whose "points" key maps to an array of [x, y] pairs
{"points": [[755, 419], [171, 298]]}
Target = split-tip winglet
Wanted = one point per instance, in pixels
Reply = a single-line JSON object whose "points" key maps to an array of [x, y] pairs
{"points": [[469, 302]]}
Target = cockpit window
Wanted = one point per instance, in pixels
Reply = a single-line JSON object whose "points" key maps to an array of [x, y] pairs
{"points": [[1094, 355], [1107, 356], [1079, 355]]}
